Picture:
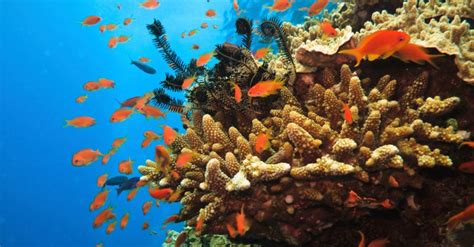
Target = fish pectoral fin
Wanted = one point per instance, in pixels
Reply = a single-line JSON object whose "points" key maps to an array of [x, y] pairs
{"points": [[372, 57], [386, 55]]}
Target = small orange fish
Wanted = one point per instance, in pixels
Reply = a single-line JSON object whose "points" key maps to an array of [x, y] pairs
{"points": [[180, 239], [383, 43], [380, 242], [146, 207], [467, 167], [91, 86], [102, 28], [118, 142], [170, 219], [101, 180], [352, 199], [204, 59], [174, 196], [237, 93], [417, 54], [131, 102], [183, 159], [467, 215], [470, 144], [327, 29], [160, 194], [262, 143], [81, 99], [175, 174], [99, 200], [91, 20], [111, 27], [124, 221], [231, 230], [199, 223], [204, 25], [145, 225], [149, 137], [106, 83], [211, 13], [144, 59], [195, 47], [131, 194], [386, 203], [85, 157], [151, 112], [121, 115], [123, 39], [80, 122], [111, 227], [125, 166], [236, 7], [280, 5], [316, 7], [113, 42], [150, 4], [393, 182], [162, 156], [192, 32], [106, 158], [347, 113], [102, 217], [262, 52], [265, 88], [187, 82], [142, 183], [127, 21], [169, 134], [362, 239]]}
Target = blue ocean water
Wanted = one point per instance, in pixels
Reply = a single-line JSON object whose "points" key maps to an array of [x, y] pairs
{"points": [[46, 58]]}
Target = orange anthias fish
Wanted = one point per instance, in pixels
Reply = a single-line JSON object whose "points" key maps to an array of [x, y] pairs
{"points": [[199, 223], [144, 59], [150, 4], [106, 83], [124, 221], [211, 13], [383, 43], [280, 5], [393, 182], [380, 242], [111, 227], [231, 230], [204, 25], [113, 42], [316, 7], [127, 21], [237, 93], [106, 158], [111, 27], [123, 39], [470, 144], [170, 219], [118, 142], [80, 122], [145, 225], [188, 82], [262, 143], [242, 224], [85, 157], [160, 194], [91, 86], [262, 52], [195, 47], [121, 115], [81, 99], [132, 194], [327, 29], [102, 217], [125, 166], [131, 102], [347, 113], [417, 54], [466, 216], [149, 137], [102, 28], [146, 207], [236, 7], [169, 134], [162, 156], [101, 180], [362, 239], [352, 199], [151, 112], [265, 88], [192, 32], [204, 59], [91, 20], [99, 200], [467, 167], [183, 159]]}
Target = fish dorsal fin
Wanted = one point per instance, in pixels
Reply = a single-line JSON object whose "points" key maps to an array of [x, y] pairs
{"points": [[372, 57]]}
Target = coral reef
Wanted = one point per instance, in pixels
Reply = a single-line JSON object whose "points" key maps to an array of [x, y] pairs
{"points": [[194, 240]]}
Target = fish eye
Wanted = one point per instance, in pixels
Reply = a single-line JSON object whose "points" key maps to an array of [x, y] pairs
{"points": [[402, 39]]}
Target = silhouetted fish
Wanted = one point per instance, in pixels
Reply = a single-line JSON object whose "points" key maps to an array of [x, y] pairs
{"points": [[145, 68], [117, 180], [128, 185]]}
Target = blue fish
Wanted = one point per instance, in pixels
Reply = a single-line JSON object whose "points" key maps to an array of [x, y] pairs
{"points": [[117, 180], [143, 67], [128, 185]]}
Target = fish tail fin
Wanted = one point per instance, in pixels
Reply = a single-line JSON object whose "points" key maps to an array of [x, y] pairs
{"points": [[430, 61], [67, 124], [353, 52], [118, 191], [269, 8], [453, 222]]}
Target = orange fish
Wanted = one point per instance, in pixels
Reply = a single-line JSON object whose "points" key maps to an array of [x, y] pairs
{"points": [[124, 221], [199, 223], [204, 59], [102, 217], [111, 227], [106, 83], [466, 216], [132, 194], [347, 113], [145, 225], [80, 122], [265, 88], [204, 25], [383, 43], [113, 42], [381, 242], [236, 7], [183, 159], [195, 47], [470, 144], [362, 239], [169, 134], [352, 199], [99, 200], [187, 82], [242, 224], [118, 142], [127, 21], [91, 86], [417, 54], [102, 28], [467, 167], [211, 13], [121, 115], [316, 7], [180, 239], [262, 143], [151, 112], [144, 59], [143, 100], [160, 194], [125, 166], [262, 52], [170, 219], [131, 102], [393, 182], [174, 196], [85, 157], [162, 156], [328, 29], [192, 32], [237, 93], [111, 27], [106, 158], [386, 203], [101, 180], [91, 20], [150, 4], [149, 137], [146, 207], [280, 5], [123, 39], [231, 230], [81, 99]]}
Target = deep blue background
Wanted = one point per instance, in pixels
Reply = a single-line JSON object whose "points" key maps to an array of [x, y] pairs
{"points": [[46, 57]]}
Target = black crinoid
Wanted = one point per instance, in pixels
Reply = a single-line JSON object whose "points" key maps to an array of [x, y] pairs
{"points": [[163, 100], [244, 28]]}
